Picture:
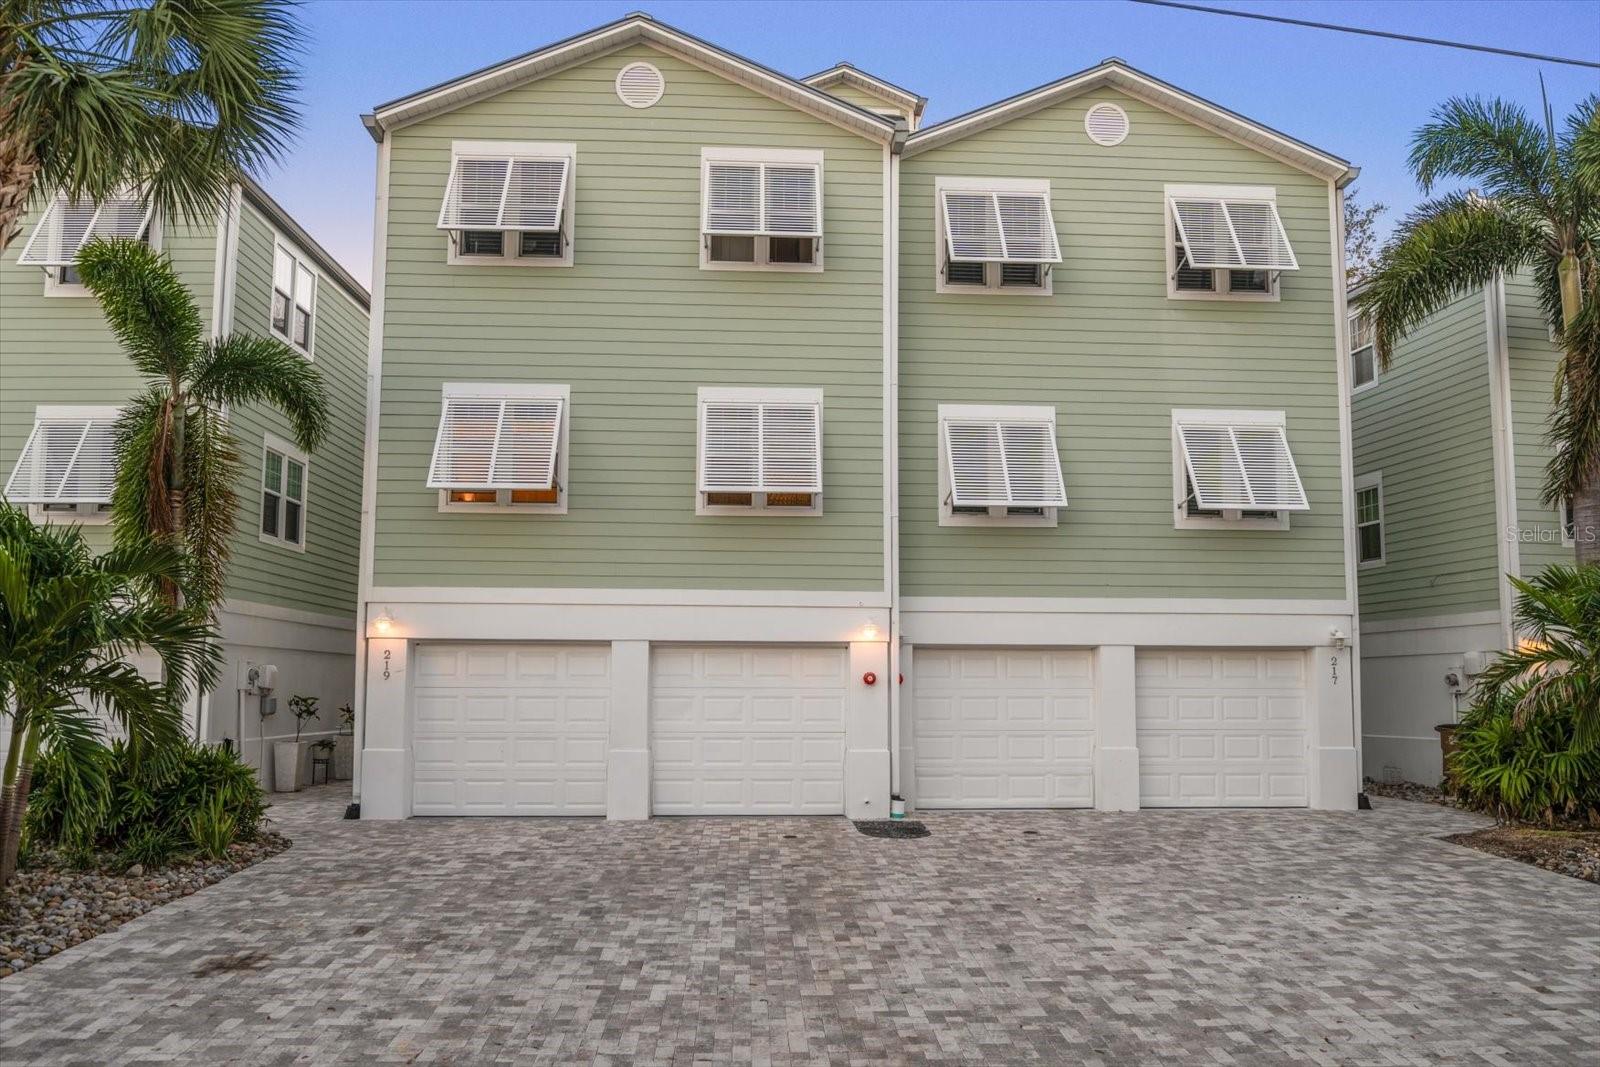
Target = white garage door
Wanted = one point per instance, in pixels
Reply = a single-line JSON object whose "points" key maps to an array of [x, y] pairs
{"points": [[747, 730], [1003, 728], [1222, 728], [509, 729]]}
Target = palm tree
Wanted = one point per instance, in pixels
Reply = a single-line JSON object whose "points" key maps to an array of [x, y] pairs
{"points": [[173, 97], [68, 623], [177, 462], [1554, 670], [1535, 208]]}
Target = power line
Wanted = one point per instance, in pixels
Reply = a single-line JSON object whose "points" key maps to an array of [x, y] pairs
{"points": [[1371, 33]]}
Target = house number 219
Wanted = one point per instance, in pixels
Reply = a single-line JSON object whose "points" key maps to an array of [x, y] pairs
{"points": [[388, 652]]}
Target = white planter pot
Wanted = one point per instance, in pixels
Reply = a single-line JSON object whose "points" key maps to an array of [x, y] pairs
{"points": [[286, 759], [344, 758]]}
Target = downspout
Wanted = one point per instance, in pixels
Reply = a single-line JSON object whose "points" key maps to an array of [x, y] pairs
{"points": [[1509, 550], [221, 278], [1347, 491], [891, 303]]}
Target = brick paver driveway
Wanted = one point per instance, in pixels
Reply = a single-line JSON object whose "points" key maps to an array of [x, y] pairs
{"points": [[1057, 937]]}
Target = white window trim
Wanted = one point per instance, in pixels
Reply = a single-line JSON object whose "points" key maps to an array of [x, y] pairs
{"points": [[997, 515], [1564, 518], [38, 512], [288, 452], [1169, 225], [724, 154], [1377, 371], [1230, 519], [712, 393], [503, 504], [1373, 480], [54, 287], [301, 262], [508, 256], [991, 271]]}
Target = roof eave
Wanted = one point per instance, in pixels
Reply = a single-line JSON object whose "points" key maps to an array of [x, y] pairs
{"points": [[262, 201], [891, 92]]}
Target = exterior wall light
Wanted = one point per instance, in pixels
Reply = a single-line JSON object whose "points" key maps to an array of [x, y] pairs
{"points": [[384, 622]]}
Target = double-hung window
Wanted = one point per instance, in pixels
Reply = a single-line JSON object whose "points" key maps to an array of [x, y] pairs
{"points": [[1363, 353], [67, 225], [1233, 470], [294, 298], [998, 465], [760, 209], [1370, 537], [994, 235], [760, 451], [1225, 242], [510, 203], [501, 447], [285, 472], [68, 464]]}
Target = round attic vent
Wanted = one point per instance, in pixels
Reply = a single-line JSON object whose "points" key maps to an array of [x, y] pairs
{"points": [[1106, 124], [640, 85]]}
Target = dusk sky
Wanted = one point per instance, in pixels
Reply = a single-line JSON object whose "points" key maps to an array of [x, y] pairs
{"points": [[1358, 97]]}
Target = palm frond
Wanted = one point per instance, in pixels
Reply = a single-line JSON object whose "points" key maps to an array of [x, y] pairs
{"points": [[211, 505], [1446, 248], [146, 305], [1491, 143], [243, 369], [1574, 429]]}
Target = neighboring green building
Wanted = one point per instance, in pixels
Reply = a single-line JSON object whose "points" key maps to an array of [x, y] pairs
{"points": [[742, 446], [1450, 452], [291, 589]]}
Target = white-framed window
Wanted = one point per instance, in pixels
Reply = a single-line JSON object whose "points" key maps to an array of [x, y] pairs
{"points": [[760, 209], [502, 448], [1569, 525], [998, 465], [1363, 353], [285, 480], [68, 465], [1371, 537], [67, 225], [1225, 242], [994, 235], [510, 203], [760, 451], [293, 314], [1233, 470]]}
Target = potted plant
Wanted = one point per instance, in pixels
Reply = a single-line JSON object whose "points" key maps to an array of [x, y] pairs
{"points": [[287, 756], [344, 749]]}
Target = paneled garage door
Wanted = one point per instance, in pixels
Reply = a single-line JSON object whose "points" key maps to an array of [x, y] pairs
{"points": [[510, 729], [1222, 728], [747, 730], [1003, 728]]}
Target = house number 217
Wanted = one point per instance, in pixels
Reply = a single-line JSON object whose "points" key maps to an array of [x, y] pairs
{"points": [[388, 652]]}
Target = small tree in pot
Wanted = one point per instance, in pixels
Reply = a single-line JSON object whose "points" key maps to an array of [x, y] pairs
{"points": [[287, 756], [344, 748]]}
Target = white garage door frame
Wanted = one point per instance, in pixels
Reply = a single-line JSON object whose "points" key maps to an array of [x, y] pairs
{"points": [[1223, 727], [509, 728], [1003, 727], [748, 729]]}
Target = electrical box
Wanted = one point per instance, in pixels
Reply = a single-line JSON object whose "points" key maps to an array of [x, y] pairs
{"points": [[266, 677], [1475, 663]]}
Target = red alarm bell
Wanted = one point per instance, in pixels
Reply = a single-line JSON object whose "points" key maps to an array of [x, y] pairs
{"points": [[870, 678]]}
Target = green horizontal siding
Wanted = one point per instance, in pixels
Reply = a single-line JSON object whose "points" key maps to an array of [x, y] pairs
{"points": [[58, 349], [1426, 425], [1534, 360], [634, 327], [1114, 356], [323, 577]]}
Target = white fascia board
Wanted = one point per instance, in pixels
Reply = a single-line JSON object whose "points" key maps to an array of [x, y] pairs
{"points": [[890, 94]]}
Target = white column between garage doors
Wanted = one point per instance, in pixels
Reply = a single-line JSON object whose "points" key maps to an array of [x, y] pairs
{"points": [[748, 729], [510, 729], [1222, 727]]}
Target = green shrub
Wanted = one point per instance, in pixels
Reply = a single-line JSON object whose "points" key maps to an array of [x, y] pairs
{"points": [[1528, 770], [146, 811], [212, 829]]}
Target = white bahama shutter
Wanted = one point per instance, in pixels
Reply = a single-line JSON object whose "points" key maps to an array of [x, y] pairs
{"points": [[762, 199], [1003, 461], [508, 192], [760, 446], [1243, 234], [1000, 227], [66, 460], [497, 442], [1244, 466], [68, 225]]}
